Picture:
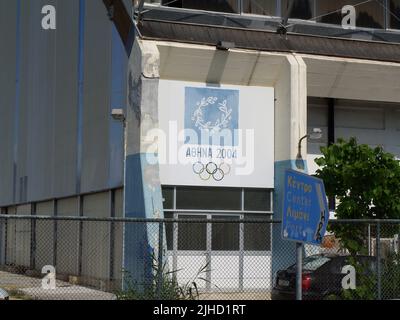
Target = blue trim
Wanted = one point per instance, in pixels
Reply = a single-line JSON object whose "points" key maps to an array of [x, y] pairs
{"points": [[119, 62], [143, 199], [17, 98], [81, 49]]}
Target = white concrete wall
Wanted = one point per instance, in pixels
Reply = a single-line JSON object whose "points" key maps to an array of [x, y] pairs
{"points": [[372, 123], [96, 237], [44, 235], [68, 237], [345, 78], [11, 237], [23, 238]]}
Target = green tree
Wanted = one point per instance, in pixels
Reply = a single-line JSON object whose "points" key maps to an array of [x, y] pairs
{"points": [[365, 180], [366, 183]]}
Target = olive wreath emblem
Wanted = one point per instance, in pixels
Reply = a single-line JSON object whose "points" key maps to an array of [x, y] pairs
{"points": [[213, 127], [205, 172]]}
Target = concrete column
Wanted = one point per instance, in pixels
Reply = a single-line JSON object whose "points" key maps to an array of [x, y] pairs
{"points": [[143, 197], [290, 126]]}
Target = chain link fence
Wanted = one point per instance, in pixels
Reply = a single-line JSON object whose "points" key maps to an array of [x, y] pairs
{"points": [[51, 258]]}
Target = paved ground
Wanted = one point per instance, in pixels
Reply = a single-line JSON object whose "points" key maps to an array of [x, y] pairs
{"points": [[25, 287], [31, 288], [245, 295]]}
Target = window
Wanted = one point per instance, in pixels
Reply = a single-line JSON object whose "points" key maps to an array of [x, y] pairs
{"points": [[192, 236], [225, 236], [216, 204], [257, 200], [195, 198], [169, 231], [168, 197], [257, 236], [301, 9], [229, 6], [264, 7], [369, 14], [394, 14]]}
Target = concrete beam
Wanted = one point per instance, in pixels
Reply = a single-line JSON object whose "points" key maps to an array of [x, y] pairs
{"points": [[290, 126], [143, 196], [346, 78]]}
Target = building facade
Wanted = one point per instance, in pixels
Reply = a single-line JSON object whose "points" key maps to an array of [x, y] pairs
{"points": [[257, 75]]}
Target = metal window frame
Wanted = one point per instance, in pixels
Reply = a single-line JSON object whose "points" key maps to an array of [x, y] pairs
{"points": [[278, 13], [241, 211], [209, 213], [209, 253]]}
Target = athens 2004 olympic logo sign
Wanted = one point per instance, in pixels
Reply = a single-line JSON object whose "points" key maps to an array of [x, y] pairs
{"points": [[211, 169]]}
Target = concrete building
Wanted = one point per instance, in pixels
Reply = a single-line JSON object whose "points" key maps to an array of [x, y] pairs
{"points": [[275, 69]]}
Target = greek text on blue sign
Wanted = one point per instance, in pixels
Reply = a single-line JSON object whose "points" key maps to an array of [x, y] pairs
{"points": [[305, 208]]}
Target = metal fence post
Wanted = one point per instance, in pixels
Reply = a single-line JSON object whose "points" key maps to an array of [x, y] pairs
{"points": [[378, 259], [5, 240], [1, 241], [160, 260], [33, 239], [299, 271], [55, 232]]}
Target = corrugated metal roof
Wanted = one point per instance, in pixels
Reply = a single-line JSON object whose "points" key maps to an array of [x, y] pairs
{"points": [[265, 40]]}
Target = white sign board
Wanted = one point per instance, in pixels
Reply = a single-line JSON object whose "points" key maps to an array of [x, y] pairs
{"points": [[216, 135]]}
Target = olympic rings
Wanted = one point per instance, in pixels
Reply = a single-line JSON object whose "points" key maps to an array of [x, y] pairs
{"points": [[211, 169], [198, 168], [211, 165]]}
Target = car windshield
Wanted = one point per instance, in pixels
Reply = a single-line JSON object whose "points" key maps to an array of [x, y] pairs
{"points": [[312, 263]]}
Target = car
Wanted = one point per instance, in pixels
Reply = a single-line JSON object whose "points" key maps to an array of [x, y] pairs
{"points": [[321, 276]]}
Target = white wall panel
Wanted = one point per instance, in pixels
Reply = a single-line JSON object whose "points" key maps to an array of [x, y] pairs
{"points": [[23, 238], [68, 237], [96, 237], [44, 252]]}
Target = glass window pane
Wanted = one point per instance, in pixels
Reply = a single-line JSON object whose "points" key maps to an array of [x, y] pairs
{"points": [[225, 236], [301, 9], [208, 198], [257, 200], [192, 236], [257, 236], [169, 231], [369, 15], [168, 197], [209, 5], [394, 15], [264, 7], [137, 2]]}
